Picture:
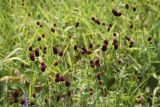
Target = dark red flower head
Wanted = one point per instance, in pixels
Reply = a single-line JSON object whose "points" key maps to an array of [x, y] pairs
{"points": [[22, 101], [52, 30], [85, 51], [55, 50], [93, 18], [38, 23], [105, 42], [39, 38], [56, 79], [67, 83], [57, 75], [127, 38], [36, 52], [116, 13], [127, 6], [115, 41], [30, 48], [43, 67], [31, 55], [61, 53], [134, 9], [15, 94], [61, 78], [104, 48], [91, 45], [115, 45], [75, 47], [114, 34], [97, 63], [97, 21], [43, 35], [149, 38], [77, 24], [54, 25], [91, 63], [131, 44]]}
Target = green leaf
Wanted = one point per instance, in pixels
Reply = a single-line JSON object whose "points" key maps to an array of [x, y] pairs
{"points": [[69, 59]]}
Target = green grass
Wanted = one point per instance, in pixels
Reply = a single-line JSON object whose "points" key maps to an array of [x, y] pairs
{"points": [[120, 84]]}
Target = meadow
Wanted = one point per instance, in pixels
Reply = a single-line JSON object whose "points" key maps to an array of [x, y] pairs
{"points": [[79, 53]]}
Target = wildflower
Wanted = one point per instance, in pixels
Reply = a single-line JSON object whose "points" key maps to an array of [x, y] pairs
{"points": [[30, 48], [34, 95], [56, 80], [127, 38], [110, 25], [56, 63], [43, 35], [32, 57], [61, 78], [15, 94], [41, 25], [134, 9], [39, 39], [46, 100], [104, 48], [22, 102], [36, 52], [97, 63], [116, 13], [131, 26], [90, 92], [54, 25], [103, 24], [91, 45], [75, 47], [92, 63], [114, 34], [131, 44], [55, 50], [127, 6], [93, 18], [38, 23], [115, 46], [97, 21], [67, 83], [61, 53], [52, 30], [43, 67], [98, 75], [58, 98], [57, 75], [77, 24], [27, 82], [105, 42], [149, 38]]}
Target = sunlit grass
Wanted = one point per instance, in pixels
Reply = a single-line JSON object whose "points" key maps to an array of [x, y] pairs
{"points": [[79, 53]]}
